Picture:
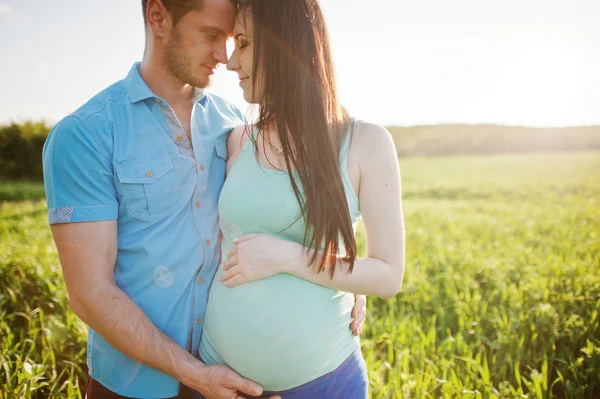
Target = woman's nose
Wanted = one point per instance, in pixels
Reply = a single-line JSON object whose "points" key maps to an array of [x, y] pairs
{"points": [[233, 62]]}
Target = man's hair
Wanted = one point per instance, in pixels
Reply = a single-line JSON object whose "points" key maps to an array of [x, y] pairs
{"points": [[178, 8]]}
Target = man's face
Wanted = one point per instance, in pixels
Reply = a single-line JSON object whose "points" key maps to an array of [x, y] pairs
{"points": [[195, 46]]}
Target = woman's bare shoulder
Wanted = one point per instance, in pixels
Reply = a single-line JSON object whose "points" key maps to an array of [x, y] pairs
{"points": [[372, 140], [237, 138]]}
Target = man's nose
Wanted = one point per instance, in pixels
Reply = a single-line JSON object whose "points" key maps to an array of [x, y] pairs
{"points": [[220, 54]]}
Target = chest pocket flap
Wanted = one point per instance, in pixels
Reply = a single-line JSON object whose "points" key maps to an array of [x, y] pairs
{"points": [[145, 171], [148, 186]]}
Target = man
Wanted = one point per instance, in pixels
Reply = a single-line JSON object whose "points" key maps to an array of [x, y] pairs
{"points": [[132, 182]]}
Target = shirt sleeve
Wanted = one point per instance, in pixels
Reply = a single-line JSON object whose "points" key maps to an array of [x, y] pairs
{"points": [[78, 175], [238, 112]]}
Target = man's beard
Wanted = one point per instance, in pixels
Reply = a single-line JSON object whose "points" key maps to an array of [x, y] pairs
{"points": [[177, 63]]}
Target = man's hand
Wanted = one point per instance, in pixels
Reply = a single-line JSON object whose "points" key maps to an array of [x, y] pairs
{"points": [[220, 382], [359, 314], [258, 256]]}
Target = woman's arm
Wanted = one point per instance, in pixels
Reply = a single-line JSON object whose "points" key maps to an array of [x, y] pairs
{"points": [[379, 274]]}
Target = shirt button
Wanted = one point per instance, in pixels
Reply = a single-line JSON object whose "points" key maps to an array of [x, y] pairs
{"points": [[179, 139], [201, 281], [208, 242], [201, 167], [149, 173], [157, 101], [198, 203], [198, 322]]}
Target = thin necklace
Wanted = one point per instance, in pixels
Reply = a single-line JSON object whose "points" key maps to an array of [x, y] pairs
{"points": [[278, 150]]}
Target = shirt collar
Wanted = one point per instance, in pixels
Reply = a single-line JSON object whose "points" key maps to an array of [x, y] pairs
{"points": [[198, 94], [138, 90]]}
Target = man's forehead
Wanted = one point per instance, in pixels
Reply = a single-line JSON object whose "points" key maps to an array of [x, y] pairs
{"points": [[211, 19], [219, 7]]}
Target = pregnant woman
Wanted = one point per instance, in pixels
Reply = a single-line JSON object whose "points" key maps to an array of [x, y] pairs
{"points": [[297, 182]]}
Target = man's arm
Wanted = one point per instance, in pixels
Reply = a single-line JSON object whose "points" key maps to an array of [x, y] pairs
{"points": [[83, 208], [87, 254]]}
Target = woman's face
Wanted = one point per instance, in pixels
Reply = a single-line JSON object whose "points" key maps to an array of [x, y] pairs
{"points": [[242, 58]]}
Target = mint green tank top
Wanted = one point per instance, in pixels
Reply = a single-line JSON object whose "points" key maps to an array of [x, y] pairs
{"points": [[281, 331]]}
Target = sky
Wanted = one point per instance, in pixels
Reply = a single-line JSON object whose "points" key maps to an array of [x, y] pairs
{"points": [[398, 62]]}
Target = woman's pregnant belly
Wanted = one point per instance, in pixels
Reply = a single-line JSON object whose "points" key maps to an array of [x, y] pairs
{"points": [[280, 331]]}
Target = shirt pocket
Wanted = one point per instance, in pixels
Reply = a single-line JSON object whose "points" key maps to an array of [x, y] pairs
{"points": [[148, 186], [219, 161]]}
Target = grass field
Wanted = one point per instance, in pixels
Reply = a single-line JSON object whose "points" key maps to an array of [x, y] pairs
{"points": [[500, 298]]}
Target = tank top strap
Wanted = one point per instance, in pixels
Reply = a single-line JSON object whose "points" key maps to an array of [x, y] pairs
{"points": [[252, 137], [246, 147], [345, 149]]}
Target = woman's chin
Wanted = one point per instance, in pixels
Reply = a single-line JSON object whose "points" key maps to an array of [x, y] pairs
{"points": [[248, 98]]}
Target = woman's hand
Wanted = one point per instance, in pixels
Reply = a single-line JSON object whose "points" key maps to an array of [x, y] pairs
{"points": [[258, 256]]}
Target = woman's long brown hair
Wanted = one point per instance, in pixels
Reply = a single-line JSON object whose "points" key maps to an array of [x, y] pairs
{"points": [[299, 102]]}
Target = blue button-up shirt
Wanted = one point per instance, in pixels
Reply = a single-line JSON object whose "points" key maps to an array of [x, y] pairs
{"points": [[124, 156]]}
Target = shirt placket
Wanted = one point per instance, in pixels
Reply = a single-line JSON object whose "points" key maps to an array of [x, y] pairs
{"points": [[202, 204], [199, 200], [176, 129], [201, 283]]}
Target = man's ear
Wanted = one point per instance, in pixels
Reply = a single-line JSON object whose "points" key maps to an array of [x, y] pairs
{"points": [[158, 18]]}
